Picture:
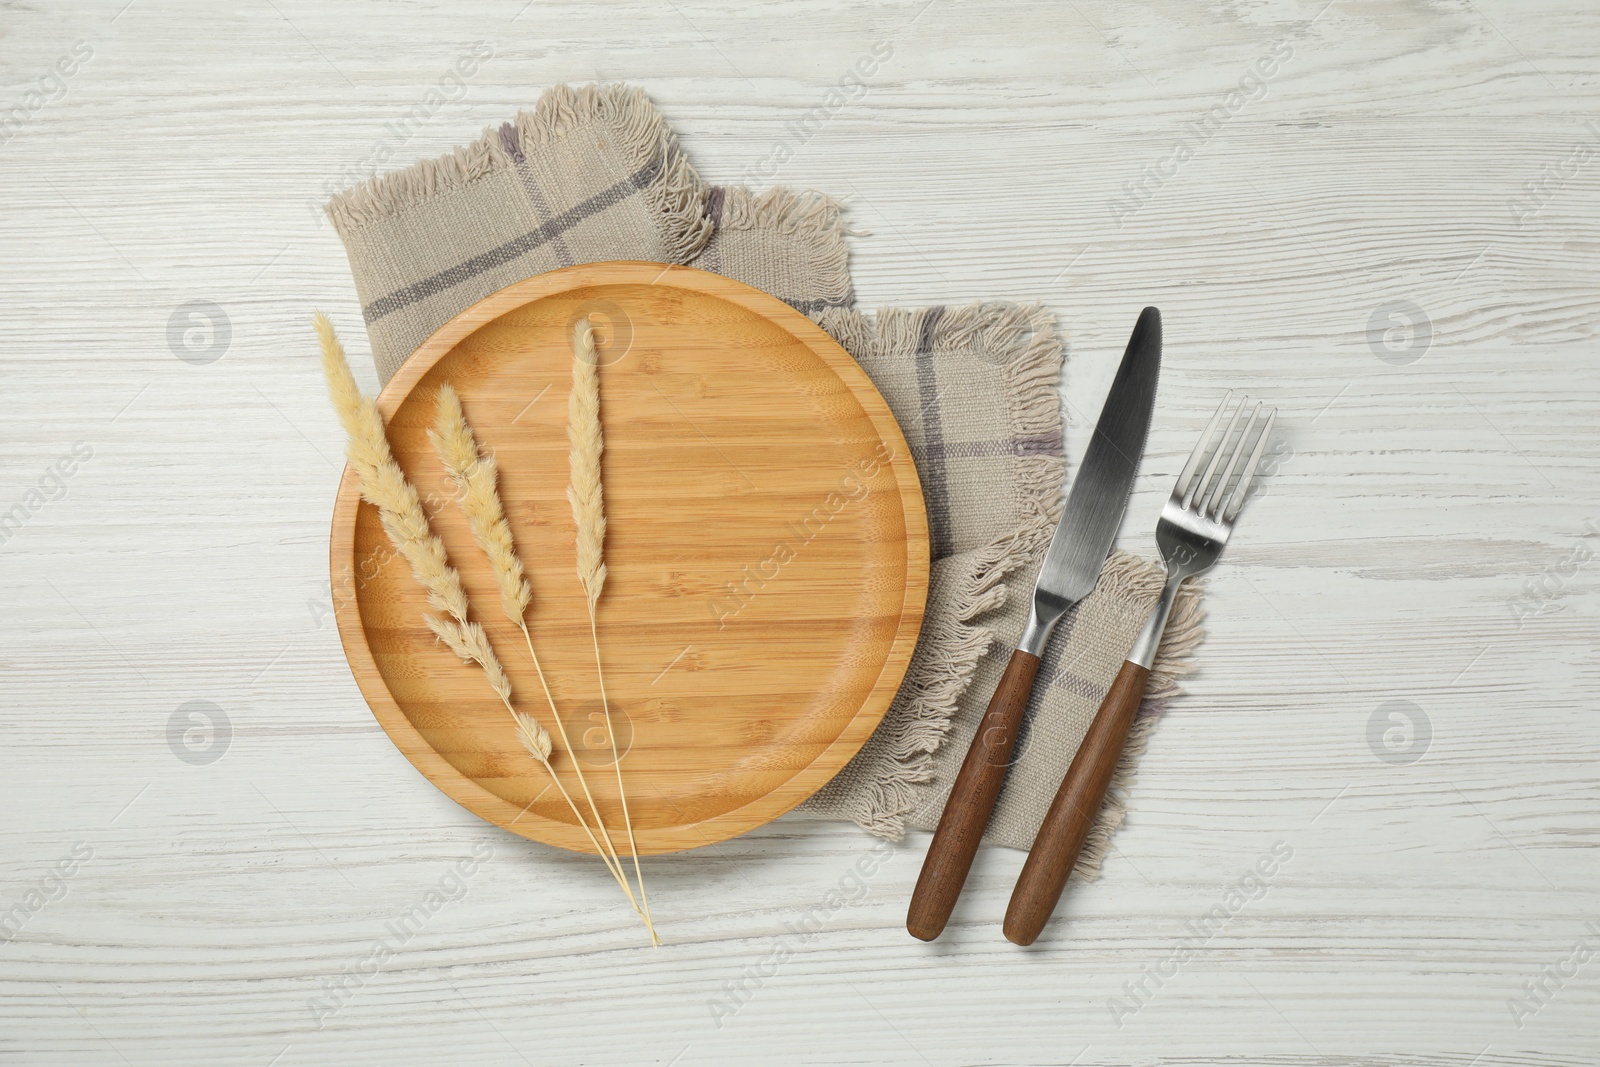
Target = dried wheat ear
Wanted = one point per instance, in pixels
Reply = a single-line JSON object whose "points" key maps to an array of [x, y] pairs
{"points": [[385, 486]]}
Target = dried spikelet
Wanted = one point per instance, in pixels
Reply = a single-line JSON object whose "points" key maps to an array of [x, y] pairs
{"points": [[475, 476], [451, 436], [383, 483], [534, 738], [583, 432], [587, 497], [468, 641]]}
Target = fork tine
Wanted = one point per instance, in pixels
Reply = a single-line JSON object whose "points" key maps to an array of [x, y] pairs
{"points": [[1219, 491], [1248, 475], [1180, 490], [1203, 488]]}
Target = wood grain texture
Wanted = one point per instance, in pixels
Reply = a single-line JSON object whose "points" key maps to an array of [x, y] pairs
{"points": [[766, 554], [1415, 512]]}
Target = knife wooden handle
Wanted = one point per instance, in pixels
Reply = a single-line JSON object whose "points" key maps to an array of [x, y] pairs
{"points": [[1072, 814], [966, 812]]}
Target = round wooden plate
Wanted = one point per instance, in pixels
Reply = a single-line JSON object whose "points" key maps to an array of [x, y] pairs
{"points": [[767, 549]]}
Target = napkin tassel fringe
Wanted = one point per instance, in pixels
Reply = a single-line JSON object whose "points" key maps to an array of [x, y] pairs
{"points": [[816, 223], [644, 137], [1024, 341]]}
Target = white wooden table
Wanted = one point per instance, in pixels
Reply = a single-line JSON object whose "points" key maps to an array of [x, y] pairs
{"points": [[1427, 539]]}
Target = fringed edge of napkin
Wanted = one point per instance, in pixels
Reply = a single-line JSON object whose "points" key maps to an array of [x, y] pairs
{"points": [[1024, 343], [815, 222], [643, 136]]}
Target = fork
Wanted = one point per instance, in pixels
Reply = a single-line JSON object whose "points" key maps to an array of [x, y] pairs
{"points": [[1195, 524]]}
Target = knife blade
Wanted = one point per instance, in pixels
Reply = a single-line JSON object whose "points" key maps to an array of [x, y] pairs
{"points": [[1099, 493], [1072, 564]]}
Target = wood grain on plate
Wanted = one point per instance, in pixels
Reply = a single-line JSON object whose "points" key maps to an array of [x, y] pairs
{"points": [[767, 552]]}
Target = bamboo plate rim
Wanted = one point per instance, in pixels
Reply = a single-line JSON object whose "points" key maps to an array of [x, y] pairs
{"points": [[828, 762]]}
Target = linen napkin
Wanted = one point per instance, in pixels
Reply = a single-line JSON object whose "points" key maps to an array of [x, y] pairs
{"points": [[595, 174]]}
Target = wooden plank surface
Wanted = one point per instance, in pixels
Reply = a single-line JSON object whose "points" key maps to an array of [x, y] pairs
{"points": [[1427, 538]]}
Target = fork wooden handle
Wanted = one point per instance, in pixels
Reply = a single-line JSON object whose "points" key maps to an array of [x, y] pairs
{"points": [[1072, 814], [966, 812]]}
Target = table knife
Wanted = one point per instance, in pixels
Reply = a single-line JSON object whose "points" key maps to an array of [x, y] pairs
{"points": [[1072, 564]]}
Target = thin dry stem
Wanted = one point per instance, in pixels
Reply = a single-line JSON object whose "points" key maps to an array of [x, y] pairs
{"points": [[536, 739], [566, 743], [471, 643], [616, 763]]}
